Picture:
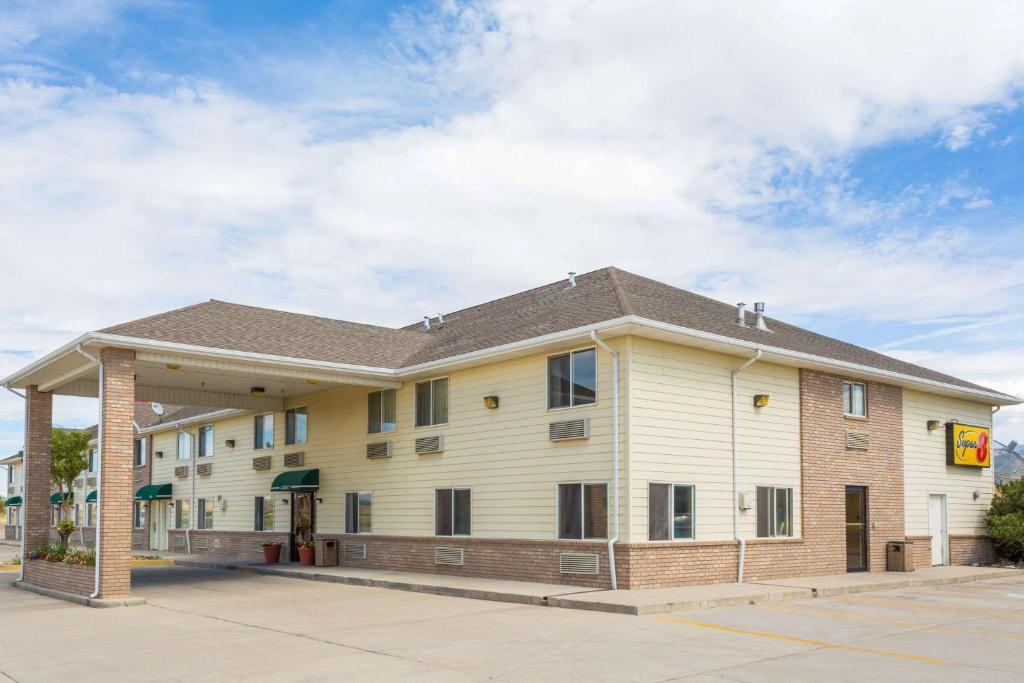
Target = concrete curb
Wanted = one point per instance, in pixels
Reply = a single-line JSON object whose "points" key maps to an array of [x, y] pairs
{"points": [[682, 605], [80, 599], [833, 591]]}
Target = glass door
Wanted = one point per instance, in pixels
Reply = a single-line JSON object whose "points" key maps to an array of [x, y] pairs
{"points": [[856, 529], [302, 522]]}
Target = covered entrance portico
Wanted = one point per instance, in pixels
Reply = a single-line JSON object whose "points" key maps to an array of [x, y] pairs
{"points": [[119, 373]]}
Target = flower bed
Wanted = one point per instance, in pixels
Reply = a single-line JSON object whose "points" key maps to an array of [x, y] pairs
{"points": [[56, 552]]}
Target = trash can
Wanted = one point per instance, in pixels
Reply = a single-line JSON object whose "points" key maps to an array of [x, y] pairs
{"points": [[326, 552], [899, 556]]}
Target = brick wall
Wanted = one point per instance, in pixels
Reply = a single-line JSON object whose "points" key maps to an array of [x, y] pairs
{"points": [[922, 550], [970, 550], [59, 576], [116, 465], [38, 426], [233, 544]]}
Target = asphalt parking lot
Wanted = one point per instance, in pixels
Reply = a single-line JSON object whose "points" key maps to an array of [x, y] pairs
{"points": [[203, 624]]}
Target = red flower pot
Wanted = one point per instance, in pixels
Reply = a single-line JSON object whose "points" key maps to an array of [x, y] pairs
{"points": [[272, 553], [307, 556]]}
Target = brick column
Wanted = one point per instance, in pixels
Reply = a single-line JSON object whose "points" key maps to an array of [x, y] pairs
{"points": [[116, 465], [38, 431]]}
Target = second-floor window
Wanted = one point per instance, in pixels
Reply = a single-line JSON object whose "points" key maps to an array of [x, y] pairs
{"points": [[432, 402], [206, 441], [855, 399], [572, 379], [381, 411], [184, 446], [140, 452], [92, 461], [295, 423], [263, 431]]}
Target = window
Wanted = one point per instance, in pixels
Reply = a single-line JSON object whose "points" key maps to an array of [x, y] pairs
{"points": [[452, 512], [92, 461], [90, 514], [139, 518], [358, 508], [670, 512], [204, 516], [263, 431], [206, 441], [432, 402], [855, 399], [181, 520], [572, 379], [381, 412], [774, 512], [264, 514], [295, 423], [184, 445], [140, 452], [583, 511], [78, 515], [54, 515]]}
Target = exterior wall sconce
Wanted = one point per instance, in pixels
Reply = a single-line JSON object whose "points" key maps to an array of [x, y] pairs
{"points": [[230, 443], [173, 366], [319, 501], [257, 391], [760, 400], [159, 454], [934, 424], [284, 501], [977, 494], [491, 402]]}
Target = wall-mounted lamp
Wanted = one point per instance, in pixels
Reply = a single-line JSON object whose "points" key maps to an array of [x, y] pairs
{"points": [[977, 494], [312, 382], [257, 391], [934, 424], [284, 501], [760, 400], [230, 443], [491, 402], [173, 366], [319, 501], [159, 454]]}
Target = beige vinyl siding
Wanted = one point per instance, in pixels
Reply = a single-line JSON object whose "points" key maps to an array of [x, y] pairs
{"points": [[681, 432], [503, 455], [926, 471]]}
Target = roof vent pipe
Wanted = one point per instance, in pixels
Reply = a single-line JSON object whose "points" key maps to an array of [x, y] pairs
{"points": [[741, 314], [440, 319], [759, 316], [426, 322], [572, 278]]}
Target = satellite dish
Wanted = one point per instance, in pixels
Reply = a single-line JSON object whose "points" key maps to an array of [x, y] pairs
{"points": [[158, 408], [1012, 447]]}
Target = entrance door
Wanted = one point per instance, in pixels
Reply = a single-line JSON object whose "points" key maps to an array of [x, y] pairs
{"points": [[856, 529], [937, 528], [158, 524], [303, 522]]}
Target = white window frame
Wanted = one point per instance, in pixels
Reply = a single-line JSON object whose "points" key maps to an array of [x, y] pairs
{"points": [[177, 445], [199, 441], [267, 500], [139, 515], [258, 446], [177, 514], [360, 531], [93, 461], [297, 443], [395, 394], [671, 510], [771, 510], [572, 375], [201, 504], [144, 440], [453, 489], [850, 383], [583, 500], [415, 402]]}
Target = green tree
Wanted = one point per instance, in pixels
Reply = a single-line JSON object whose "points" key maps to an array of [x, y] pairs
{"points": [[68, 457], [1005, 520]]}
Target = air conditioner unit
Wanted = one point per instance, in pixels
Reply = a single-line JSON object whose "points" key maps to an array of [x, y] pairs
{"points": [[453, 556], [181, 472], [204, 470], [294, 459], [261, 463], [430, 444], [569, 429], [381, 449], [355, 551], [857, 440]]}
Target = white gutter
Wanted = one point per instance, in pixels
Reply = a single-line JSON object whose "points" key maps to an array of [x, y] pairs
{"points": [[203, 417], [614, 537], [736, 467], [24, 465], [99, 473]]}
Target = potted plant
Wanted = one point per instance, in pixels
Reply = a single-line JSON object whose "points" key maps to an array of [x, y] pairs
{"points": [[271, 551], [307, 554]]}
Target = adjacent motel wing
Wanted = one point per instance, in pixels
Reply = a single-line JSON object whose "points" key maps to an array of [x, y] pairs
{"points": [[485, 441]]}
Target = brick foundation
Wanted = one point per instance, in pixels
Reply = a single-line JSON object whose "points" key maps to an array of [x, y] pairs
{"points": [[242, 544], [68, 578], [970, 550], [922, 551]]}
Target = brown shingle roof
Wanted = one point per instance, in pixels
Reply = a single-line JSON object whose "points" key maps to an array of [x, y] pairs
{"points": [[598, 296]]}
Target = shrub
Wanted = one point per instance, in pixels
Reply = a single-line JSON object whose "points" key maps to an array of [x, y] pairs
{"points": [[65, 529], [307, 545], [269, 544], [82, 558], [1005, 520]]}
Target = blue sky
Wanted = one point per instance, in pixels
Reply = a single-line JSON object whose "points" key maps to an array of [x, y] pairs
{"points": [[374, 161]]}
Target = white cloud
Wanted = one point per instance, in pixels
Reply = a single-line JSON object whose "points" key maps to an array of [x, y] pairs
{"points": [[629, 133]]}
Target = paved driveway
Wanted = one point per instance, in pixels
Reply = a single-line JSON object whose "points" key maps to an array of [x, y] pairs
{"points": [[203, 624]]}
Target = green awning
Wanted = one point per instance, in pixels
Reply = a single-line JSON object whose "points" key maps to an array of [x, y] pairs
{"points": [[91, 498], [13, 501], [302, 480], [154, 492], [55, 498]]}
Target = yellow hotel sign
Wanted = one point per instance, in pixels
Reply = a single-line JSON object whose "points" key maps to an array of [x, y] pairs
{"points": [[968, 445]]}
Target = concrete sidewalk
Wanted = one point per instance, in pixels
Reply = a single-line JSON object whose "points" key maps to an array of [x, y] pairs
{"points": [[635, 602]]}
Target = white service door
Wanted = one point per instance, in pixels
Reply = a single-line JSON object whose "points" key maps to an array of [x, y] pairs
{"points": [[937, 528]]}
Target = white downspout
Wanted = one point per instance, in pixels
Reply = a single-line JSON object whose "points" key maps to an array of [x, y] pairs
{"points": [[99, 472], [736, 467], [615, 456], [21, 515]]}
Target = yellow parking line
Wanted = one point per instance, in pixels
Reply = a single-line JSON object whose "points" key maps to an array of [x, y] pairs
{"points": [[959, 609], [10, 568], [802, 641], [152, 563]]}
